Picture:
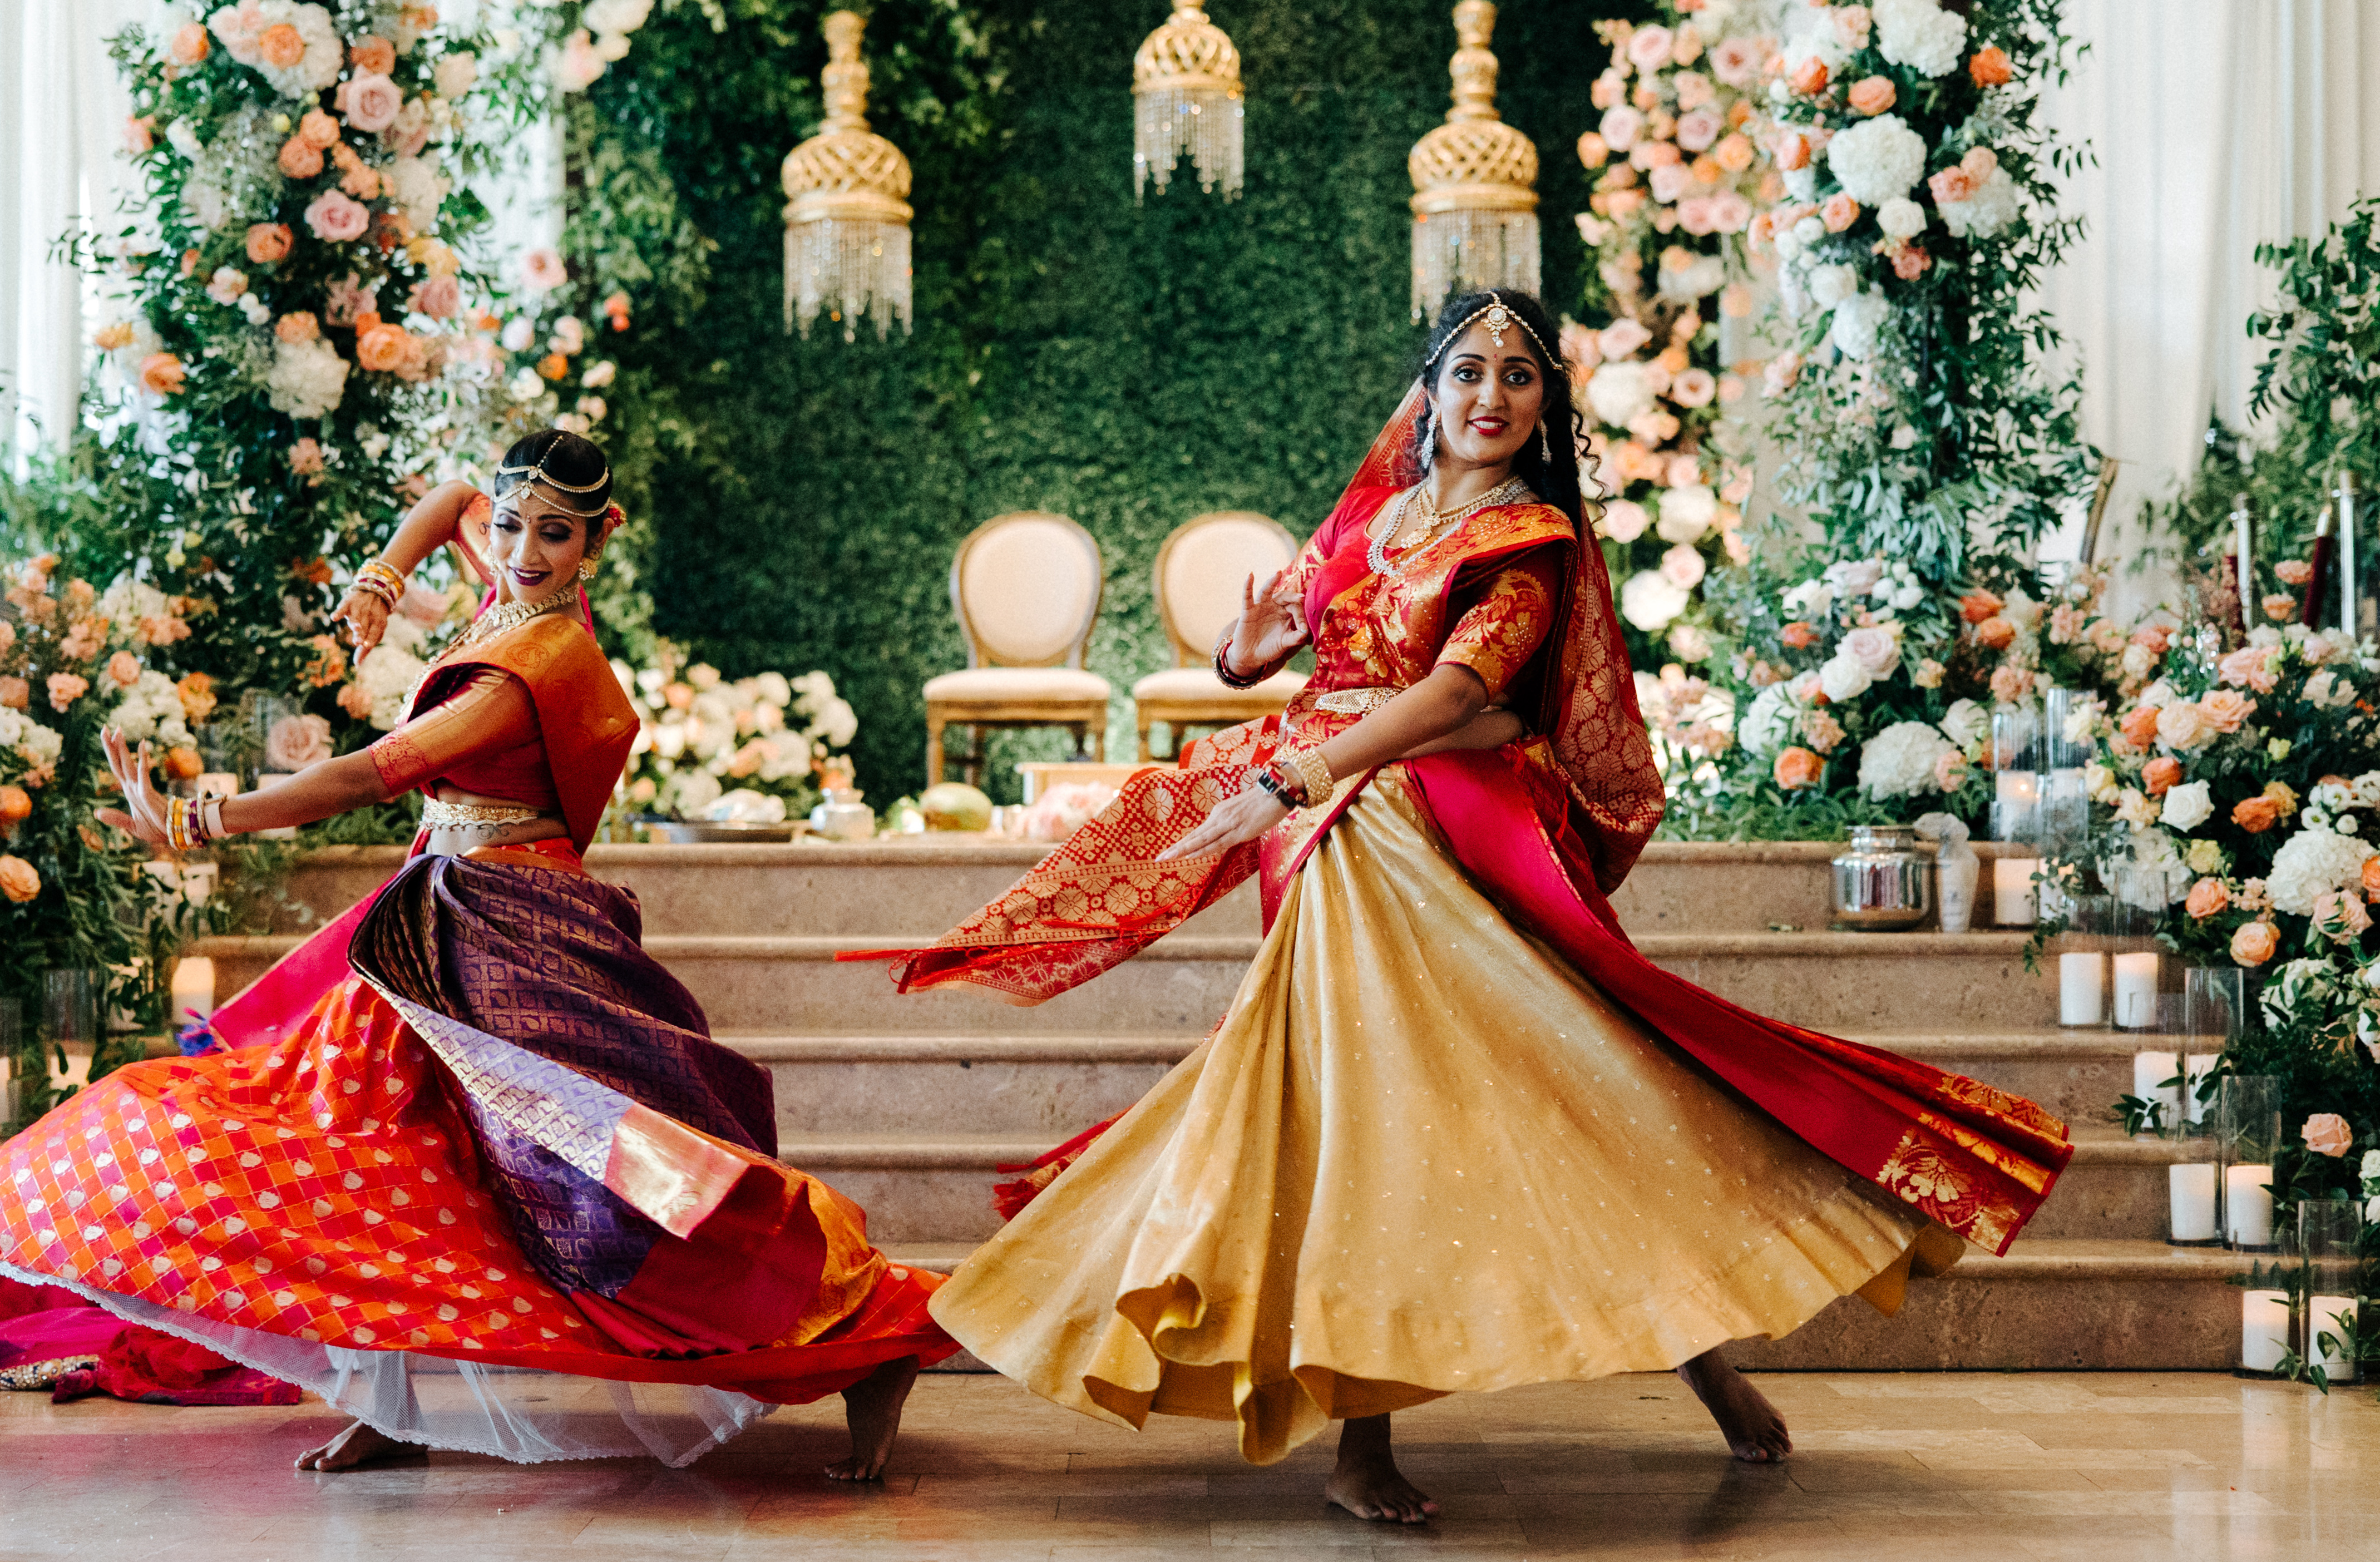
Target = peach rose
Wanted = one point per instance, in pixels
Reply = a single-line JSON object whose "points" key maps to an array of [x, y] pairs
{"points": [[2139, 725], [19, 880], [1839, 212], [553, 366], [282, 46], [1950, 186], [1791, 152], [161, 374], [124, 668], [1977, 606], [383, 349], [1910, 261], [2327, 1133], [268, 242], [1994, 634], [361, 182], [182, 763], [2294, 572], [298, 325], [2010, 685], [1594, 152], [318, 131], [299, 159], [356, 700], [65, 688], [1872, 96], [16, 805], [2339, 917], [2279, 605], [2250, 666], [306, 457], [198, 691], [1798, 634], [1950, 771], [2224, 709], [373, 56], [2252, 943], [189, 46], [15, 693], [2372, 876], [2161, 775], [440, 297], [1989, 67], [2209, 896], [1797, 767], [1809, 78], [2256, 814]]}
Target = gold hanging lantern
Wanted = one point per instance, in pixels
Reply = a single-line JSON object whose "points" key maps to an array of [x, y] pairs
{"points": [[847, 209], [1186, 98], [1474, 179]]}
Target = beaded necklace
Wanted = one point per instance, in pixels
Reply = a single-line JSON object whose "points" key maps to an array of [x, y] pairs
{"points": [[1437, 526]]}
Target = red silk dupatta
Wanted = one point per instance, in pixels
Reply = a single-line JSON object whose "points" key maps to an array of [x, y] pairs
{"points": [[1546, 826]]}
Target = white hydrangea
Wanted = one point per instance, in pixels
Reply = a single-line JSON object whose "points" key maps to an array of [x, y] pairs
{"points": [[1878, 160], [1650, 599], [1857, 320], [1687, 513], [2300, 990], [1768, 720], [1900, 761], [1919, 34], [1830, 286], [151, 708], [2311, 863], [242, 30], [388, 675], [416, 185], [1993, 205], [37, 746], [307, 379], [1619, 392]]}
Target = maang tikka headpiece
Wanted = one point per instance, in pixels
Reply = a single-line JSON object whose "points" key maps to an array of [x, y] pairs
{"points": [[536, 473], [1498, 318]]}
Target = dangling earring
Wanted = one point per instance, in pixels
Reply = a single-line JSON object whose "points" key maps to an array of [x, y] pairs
{"points": [[1429, 442], [587, 568], [1545, 445]]}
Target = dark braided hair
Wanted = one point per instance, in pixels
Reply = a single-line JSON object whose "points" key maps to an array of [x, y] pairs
{"points": [[570, 462], [1555, 481]]}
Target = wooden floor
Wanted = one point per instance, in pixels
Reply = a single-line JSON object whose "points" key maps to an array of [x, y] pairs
{"points": [[1969, 1467]]}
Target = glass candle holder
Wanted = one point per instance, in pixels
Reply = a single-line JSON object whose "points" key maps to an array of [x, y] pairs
{"points": [[2263, 1329], [2329, 1240], [2082, 964], [2015, 760], [2214, 1001], [2247, 1135], [2137, 964]]}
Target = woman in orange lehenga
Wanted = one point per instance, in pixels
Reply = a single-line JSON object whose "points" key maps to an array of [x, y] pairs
{"points": [[496, 1190], [1454, 1132]]}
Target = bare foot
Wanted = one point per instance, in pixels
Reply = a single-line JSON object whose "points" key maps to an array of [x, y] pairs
{"points": [[1749, 1422], [1366, 1482], [359, 1444], [872, 1407]]}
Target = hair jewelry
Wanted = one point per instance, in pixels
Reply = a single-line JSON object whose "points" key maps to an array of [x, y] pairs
{"points": [[1498, 318]]}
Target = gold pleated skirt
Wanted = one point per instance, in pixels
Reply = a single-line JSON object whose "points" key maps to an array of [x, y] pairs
{"points": [[1421, 1155]]}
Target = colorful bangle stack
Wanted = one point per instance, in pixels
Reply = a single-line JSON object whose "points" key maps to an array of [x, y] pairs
{"points": [[1224, 666], [185, 824], [378, 577]]}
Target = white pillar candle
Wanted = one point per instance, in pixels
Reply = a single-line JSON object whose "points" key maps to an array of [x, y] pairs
{"points": [[2083, 988], [2263, 1328], [194, 990], [2322, 1314], [2012, 891], [2150, 1071], [2193, 1189], [218, 783], [2248, 1205], [2021, 788], [2201, 1064], [2136, 987]]}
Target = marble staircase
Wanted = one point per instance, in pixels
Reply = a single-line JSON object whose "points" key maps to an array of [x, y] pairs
{"points": [[908, 1104]]}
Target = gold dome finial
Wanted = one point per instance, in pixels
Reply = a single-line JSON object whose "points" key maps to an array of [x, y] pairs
{"points": [[847, 210], [1187, 98], [1475, 177]]}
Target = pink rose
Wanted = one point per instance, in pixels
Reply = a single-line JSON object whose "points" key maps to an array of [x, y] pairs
{"points": [[1682, 567], [1608, 91], [137, 136], [1623, 336], [306, 457], [1698, 129], [334, 219], [295, 741], [439, 298], [1734, 61], [1695, 387], [1649, 47], [347, 298], [1875, 650], [1621, 126], [2327, 1133], [542, 270], [2340, 917], [1950, 186], [2250, 666], [268, 242], [1729, 211], [1669, 183], [2010, 685], [373, 102], [1950, 771]]}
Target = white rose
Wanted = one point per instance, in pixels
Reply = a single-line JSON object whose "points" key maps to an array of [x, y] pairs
{"points": [[1687, 513], [1625, 520], [2187, 807], [1769, 722], [1966, 722], [1876, 650], [2181, 726], [1844, 678], [1649, 601], [1900, 217], [1619, 392]]}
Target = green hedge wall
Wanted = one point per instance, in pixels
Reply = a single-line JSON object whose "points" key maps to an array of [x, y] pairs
{"points": [[1129, 366]]}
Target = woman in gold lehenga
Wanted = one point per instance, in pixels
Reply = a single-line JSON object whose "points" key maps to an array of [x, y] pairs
{"points": [[1454, 1132]]}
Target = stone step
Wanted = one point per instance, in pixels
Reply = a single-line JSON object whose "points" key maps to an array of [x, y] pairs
{"points": [[2049, 1306], [1001, 1083], [1835, 982], [937, 1188], [916, 888]]}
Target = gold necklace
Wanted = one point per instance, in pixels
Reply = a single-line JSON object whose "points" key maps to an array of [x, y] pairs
{"points": [[504, 616], [1437, 525]]}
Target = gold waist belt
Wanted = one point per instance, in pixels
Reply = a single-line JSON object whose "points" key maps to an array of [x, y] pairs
{"points": [[440, 815], [1359, 702]]}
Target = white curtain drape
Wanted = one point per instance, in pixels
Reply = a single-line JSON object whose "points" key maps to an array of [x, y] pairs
{"points": [[62, 116], [2218, 125]]}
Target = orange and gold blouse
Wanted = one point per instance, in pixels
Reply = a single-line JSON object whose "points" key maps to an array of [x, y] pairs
{"points": [[480, 735]]}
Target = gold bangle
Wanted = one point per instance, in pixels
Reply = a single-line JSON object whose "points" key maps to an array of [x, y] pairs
{"points": [[177, 824], [1314, 777]]}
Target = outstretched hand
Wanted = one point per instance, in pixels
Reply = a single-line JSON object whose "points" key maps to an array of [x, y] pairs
{"points": [[1238, 820], [367, 618], [1271, 626], [143, 814]]}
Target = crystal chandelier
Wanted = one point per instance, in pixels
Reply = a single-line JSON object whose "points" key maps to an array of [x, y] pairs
{"points": [[1185, 90], [1474, 179], [846, 211]]}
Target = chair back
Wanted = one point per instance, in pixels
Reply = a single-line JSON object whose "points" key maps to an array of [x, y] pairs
{"points": [[1201, 569], [1026, 588]]}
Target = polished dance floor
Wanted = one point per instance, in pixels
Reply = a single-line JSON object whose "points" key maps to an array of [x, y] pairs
{"points": [[1967, 1467]]}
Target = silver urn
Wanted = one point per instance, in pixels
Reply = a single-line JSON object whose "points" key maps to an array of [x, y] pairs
{"points": [[1884, 881]]}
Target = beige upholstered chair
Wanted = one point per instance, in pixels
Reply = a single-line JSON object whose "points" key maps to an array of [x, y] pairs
{"points": [[1026, 588], [1200, 572]]}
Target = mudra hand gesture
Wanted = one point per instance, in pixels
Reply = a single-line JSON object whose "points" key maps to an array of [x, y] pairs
{"points": [[143, 814], [367, 618], [1272, 627]]}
